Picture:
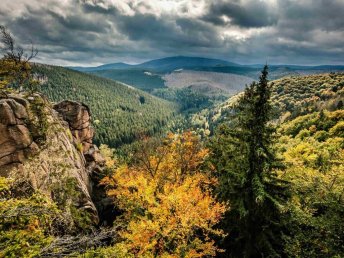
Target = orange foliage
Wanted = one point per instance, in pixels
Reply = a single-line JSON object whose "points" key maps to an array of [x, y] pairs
{"points": [[168, 209]]}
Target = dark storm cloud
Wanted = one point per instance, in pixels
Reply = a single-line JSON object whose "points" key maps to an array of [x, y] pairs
{"points": [[164, 32], [325, 14], [167, 33], [246, 31], [244, 14], [71, 36]]}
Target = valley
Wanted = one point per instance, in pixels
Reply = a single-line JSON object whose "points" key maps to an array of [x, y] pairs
{"points": [[213, 80]]}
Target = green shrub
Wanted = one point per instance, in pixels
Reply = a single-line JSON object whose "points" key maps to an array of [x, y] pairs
{"points": [[321, 135]]}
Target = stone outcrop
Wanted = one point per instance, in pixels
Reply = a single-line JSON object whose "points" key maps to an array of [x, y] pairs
{"points": [[41, 144], [78, 117], [16, 143]]}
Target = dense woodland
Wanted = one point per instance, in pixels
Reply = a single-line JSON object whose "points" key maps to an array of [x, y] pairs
{"points": [[267, 182], [298, 95], [141, 79], [291, 97], [120, 113], [312, 149]]}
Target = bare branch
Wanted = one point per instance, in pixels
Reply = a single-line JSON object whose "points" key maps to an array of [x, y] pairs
{"points": [[7, 39], [20, 72], [13, 51], [67, 245]]}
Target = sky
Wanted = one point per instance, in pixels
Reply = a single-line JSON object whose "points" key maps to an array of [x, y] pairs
{"points": [[94, 32]]}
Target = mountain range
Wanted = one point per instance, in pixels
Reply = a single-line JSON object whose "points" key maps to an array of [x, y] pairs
{"points": [[169, 64], [189, 72]]}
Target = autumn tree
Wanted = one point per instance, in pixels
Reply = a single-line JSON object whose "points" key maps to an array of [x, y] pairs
{"points": [[15, 67], [166, 200], [243, 155]]}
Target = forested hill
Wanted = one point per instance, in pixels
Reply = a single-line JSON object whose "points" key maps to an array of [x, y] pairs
{"points": [[120, 113], [291, 96], [300, 95]]}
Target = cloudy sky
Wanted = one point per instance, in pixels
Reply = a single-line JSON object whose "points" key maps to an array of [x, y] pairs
{"points": [[93, 32]]}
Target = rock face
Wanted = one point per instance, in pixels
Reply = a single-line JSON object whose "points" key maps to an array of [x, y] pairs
{"points": [[78, 117], [42, 145], [16, 143]]}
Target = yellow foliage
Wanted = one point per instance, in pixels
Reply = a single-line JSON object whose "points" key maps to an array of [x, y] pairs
{"points": [[315, 170], [168, 208], [338, 129], [108, 155]]}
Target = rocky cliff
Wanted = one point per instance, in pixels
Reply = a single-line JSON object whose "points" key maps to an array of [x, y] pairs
{"points": [[51, 148]]}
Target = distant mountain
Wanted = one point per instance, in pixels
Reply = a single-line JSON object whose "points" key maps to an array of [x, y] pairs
{"points": [[101, 67], [170, 64], [164, 65], [158, 73]]}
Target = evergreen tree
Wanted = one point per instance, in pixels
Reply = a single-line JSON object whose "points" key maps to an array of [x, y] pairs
{"points": [[245, 161]]}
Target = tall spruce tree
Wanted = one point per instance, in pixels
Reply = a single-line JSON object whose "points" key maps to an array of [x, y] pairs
{"points": [[243, 155]]}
